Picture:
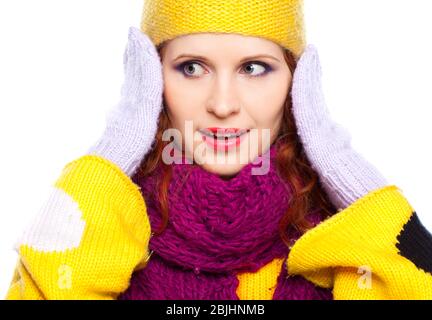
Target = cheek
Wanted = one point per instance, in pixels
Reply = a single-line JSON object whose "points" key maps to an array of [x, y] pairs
{"points": [[276, 101], [268, 119], [180, 108], [266, 107], [274, 94], [174, 94], [269, 94]]}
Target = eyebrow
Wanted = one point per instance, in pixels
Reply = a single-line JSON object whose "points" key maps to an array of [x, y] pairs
{"points": [[188, 55]]}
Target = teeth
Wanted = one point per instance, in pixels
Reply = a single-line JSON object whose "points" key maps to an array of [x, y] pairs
{"points": [[224, 136], [228, 136]]}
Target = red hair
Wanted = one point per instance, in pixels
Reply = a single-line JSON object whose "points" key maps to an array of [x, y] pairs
{"points": [[292, 164]]}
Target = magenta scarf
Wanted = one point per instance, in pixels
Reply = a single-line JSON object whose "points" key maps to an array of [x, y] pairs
{"points": [[217, 228]]}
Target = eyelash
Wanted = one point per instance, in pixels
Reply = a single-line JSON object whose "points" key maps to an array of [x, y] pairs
{"points": [[181, 66]]}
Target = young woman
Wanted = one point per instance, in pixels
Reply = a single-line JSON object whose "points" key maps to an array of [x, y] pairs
{"points": [[152, 212]]}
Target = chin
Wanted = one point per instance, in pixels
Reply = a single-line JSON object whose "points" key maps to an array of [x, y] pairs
{"points": [[225, 171]]}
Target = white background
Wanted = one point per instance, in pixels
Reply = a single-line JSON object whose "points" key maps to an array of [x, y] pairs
{"points": [[61, 71]]}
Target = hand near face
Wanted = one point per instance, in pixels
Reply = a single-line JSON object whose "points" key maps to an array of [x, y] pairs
{"points": [[345, 175], [132, 124]]}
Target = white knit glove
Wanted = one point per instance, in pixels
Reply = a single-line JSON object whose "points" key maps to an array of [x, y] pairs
{"points": [[132, 124], [345, 175]]}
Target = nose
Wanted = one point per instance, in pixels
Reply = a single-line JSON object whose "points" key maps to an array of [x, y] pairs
{"points": [[223, 102]]}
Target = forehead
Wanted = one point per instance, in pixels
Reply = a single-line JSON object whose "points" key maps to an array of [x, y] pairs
{"points": [[230, 43]]}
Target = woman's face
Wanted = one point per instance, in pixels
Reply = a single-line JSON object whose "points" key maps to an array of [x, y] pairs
{"points": [[217, 80]]}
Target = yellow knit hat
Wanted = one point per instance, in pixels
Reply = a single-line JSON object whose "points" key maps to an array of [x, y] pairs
{"points": [[280, 21]]}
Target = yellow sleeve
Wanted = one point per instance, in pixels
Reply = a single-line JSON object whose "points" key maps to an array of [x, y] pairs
{"points": [[376, 249], [90, 235]]}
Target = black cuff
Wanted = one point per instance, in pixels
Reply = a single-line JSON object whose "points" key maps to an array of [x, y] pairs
{"points": [[415, 243]]}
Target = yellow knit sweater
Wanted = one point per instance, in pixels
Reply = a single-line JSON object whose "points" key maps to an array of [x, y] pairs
{"points": [[93, 232]]}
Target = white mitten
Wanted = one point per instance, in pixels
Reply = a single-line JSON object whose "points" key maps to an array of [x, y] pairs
{"points": [[132, 124], [345, 175]]}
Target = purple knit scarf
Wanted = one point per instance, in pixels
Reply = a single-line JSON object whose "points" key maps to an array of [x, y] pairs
{"points": [[217, 228]]}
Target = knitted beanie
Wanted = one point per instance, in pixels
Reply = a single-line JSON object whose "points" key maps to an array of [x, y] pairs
{"points": [[280, 21]]}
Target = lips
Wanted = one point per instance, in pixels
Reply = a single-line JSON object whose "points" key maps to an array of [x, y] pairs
{"points": [[223, 133], [223, 139]]}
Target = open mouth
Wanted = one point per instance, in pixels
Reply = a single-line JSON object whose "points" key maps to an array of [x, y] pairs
{"points": [[223, 140]]}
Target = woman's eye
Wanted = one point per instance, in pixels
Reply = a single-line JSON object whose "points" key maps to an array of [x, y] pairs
{"points": [[256, 66], [189, 68]]}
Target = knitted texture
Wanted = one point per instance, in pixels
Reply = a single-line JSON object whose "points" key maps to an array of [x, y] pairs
{"points": [[345, 174], [217, 229], [280, 21], [373, 250], [132, 124], [88, 237]]}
